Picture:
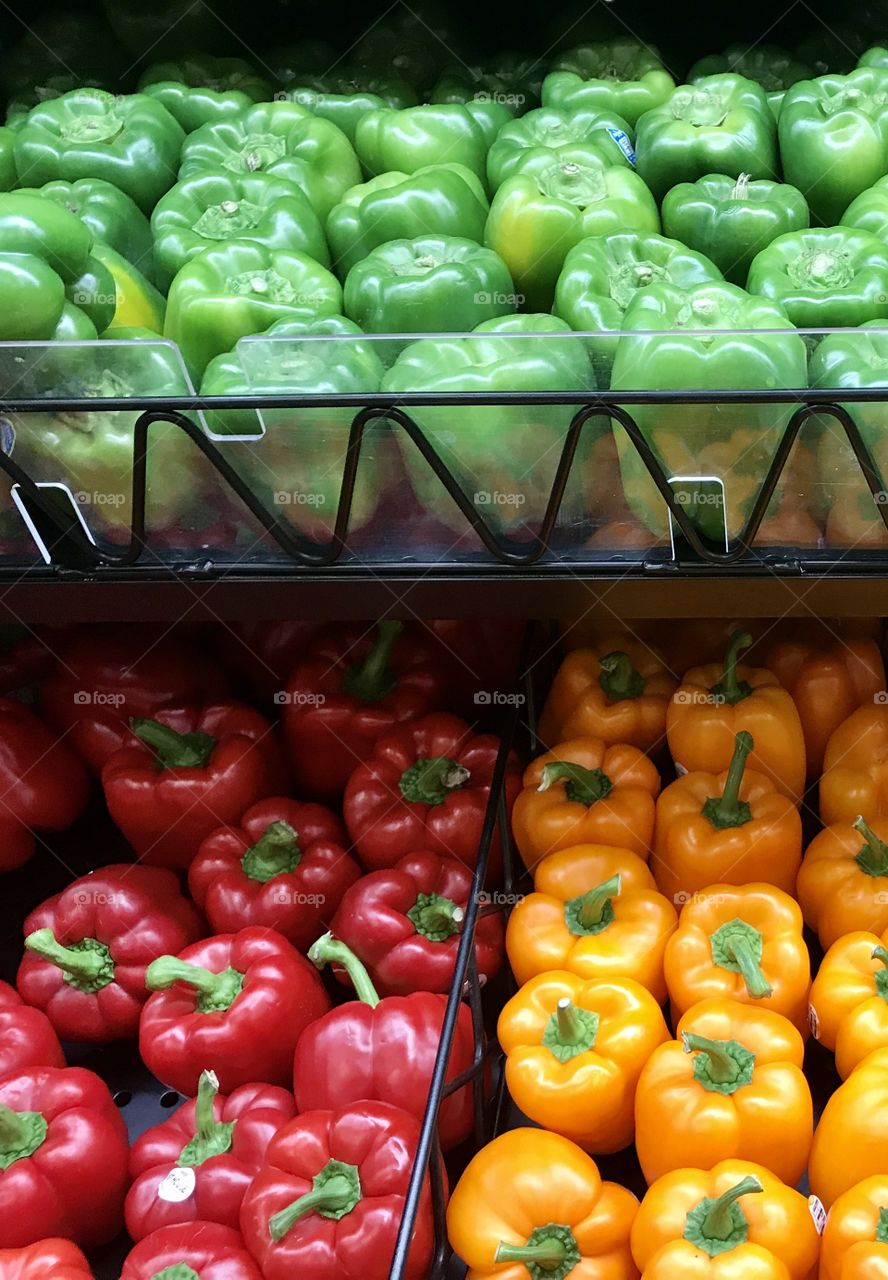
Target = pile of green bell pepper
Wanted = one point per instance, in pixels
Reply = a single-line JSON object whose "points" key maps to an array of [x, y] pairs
{"points": [[824, 278], [623, 76], [548, 136], [416, 137]]}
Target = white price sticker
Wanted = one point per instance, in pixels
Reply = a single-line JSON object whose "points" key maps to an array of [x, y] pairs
{"points": [[818, 1213], [177, 1186]]}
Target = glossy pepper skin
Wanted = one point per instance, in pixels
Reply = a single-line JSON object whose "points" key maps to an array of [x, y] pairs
{"points": [[318, 95], [426, 786], [283, 867], [722, 124], [586, 792], [87, 949], [382, 1050], [547, 138], [238, 1000], [776, 69], [869, 210], [850, 1139], [63, 1156], [849, 999], [110, 215], [223, 1140], [217, 205], [834, 138], [854, 1245], [45, 254], [530, 1190], [574, 1051], [736, 1219], [349, 689], [188, 770], [131, 141], [594, 912], [715, 703], [727, 828], [46, 1260], [730, 1086], [625, 76], [843, 880], [403, 141], [740, 943], [855, 767], [239, 288], [432, 284], [730, 220], [27, 1037], [405, 923], [201, 90], [824, 278], [437, 199], [210, 1251]]}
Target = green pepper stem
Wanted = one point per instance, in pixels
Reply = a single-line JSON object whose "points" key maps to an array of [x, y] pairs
{"points": [[430, 781], [619, 679], [718, 1225], [718, 1217], [728, 810], [216, 991], [729, 689], [436, 917], [275, 853], [581, 785], [551, 1253], [212, 1137], [336, 1191], [21, 1133], [328, 950], [873, 857], [87, 969], [373, 679], [882, 1227], [174, 750], [594, 903], [722, 1067], [178, 1271], [737, 946]]}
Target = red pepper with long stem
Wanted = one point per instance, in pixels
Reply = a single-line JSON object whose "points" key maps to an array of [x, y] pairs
{"points": [[353, 687], [426, 786], [46, 1260], [405, 925], [195, 1251], [88, 947], [328, 1204], [238, 1000], [212, 1147], [63, 1158], [27, 1037], [383, 1049], [284, 866]]}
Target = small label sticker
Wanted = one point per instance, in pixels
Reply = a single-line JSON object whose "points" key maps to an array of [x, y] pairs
{"points": [[680, 769], [813, 1022], [177, 1186], [7, 436], [623, 141], [818, 1213]]}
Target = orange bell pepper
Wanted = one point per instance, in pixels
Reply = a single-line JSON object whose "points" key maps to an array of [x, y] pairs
{"points": [[855, 1239], [532, 1203], [617, 690], [851, 1140], [849, 999], [855, 767], [828, 679], [714, 703], [574, 1051], [690, 1219], [734, 827], [596, 913], [843, 880], [744, 943], [742, 1094], [586, 792]]}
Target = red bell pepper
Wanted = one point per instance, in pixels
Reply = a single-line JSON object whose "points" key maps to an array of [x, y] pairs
{"points": [[189, 771], [426, 786], [381, 1049], [43, 786], [27, 1038], [197, 1251], [352, 687], [262, 654], [284, 867], [24, 660], [405, 924], [479, 658], [101, 679], [196, 1166], [63, 1158], [87, 948], [237, 1003], [328, 1204], [46, 1260]]}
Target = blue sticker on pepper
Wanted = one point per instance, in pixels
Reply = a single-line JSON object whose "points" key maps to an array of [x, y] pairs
{"points": [[623, 141]]}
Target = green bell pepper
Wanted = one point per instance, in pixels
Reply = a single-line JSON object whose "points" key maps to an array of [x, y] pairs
{"points": [[95, 292], [407, 44], [722, 124], [132, 142], [419, 136], [108, 214], [430, 284], [624, 76], [869, 211], [546, 136], [8, 173], [202, 90], [506, 456], [511, 79], [440, 199], [22, 103], [877, 56], [342, 109], [290, 62], [217, 205], [770, 65], [834, 138], [45, 261], [240, 288], [824, 278], [687, 339], [282, 139], [534, 222], [731, 220]]}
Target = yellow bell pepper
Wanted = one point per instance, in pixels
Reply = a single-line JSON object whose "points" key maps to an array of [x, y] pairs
{"points": [[842, 884], [851, 1140], [849, 999], [855, 1238], [139, 304]]}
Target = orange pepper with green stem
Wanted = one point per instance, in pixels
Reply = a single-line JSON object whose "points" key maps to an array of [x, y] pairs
{"points": [[737, 1211], [849, 999], [574, 1051], [855, 1239], [855, 767], [842, 884], [715, 703], [596, 912], [730, 828], [531, 1203], [586, 792], [851, 1139]]}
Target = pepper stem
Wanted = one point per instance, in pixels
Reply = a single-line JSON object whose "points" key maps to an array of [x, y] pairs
{"points": [[581, 785], [729, 689], [740, 190], [178, 1271], [275, 853], [335, 1192], [619, 679], [21, 1133], [593, 911], [728, 810], [215, 991], [873, 857], [86, 965], [881, 975], [435, 917], [329, 950], [717, 1225], [373, 680], [736, 946], [213, 1137], [431, 781], [570, 1031], [174, 750], [722, 1066], [882, 1227], [550, 1252]]}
